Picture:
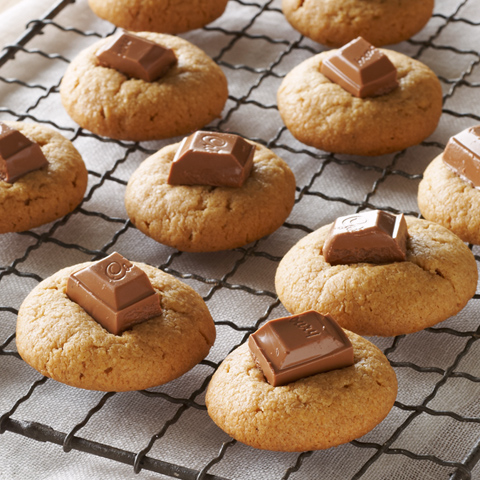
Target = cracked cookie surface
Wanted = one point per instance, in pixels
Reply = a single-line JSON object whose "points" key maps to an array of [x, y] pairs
{"points": [[313, 413], [322, 114], [60, 340], [337, 22], [46, 194], [444, 198], [434, 283], [163, 16], [191, 94], [200, 218]]}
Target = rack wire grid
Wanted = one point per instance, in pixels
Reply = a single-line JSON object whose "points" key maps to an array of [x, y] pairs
{"points": [[433, 430]]}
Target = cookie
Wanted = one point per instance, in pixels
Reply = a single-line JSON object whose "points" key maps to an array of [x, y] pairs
{"points": [[322, 114], [191, 94], [337, 22], [444, 198], [163, 16], [49, 193], [202, 218], [313, 413], [434, 283], [59, 339]]}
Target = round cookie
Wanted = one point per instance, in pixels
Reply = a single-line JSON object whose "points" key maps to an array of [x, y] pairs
{"points": [[337, 22], [444, 198], [313, 413], [60, 340], [434, 283], [201, 218], [190, 95], [164, 16], [46, 194], [322, 114]]}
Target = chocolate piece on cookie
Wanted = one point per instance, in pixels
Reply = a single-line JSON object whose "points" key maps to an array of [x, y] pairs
{"points": [[287, 349], [375, 236], [435, 282], [212, 158], [136, 56], [322, 114], [57, 337], [51, 189], [18, 154], [190, 94], [449, 192], [313, 413], [202, 218], [115, 292], [361, 69]]}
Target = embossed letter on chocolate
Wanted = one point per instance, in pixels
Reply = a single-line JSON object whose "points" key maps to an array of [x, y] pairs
{"points": [[374, 237], [462, 155], [361, 69], [137, 57], [116, 293], [290, 348], [210, 158], [18, 154]]}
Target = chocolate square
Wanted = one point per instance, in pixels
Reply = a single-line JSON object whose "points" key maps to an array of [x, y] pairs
{"points": [[290, 348], [374, 237], [18, 154], [361, 69], [215, 159], [462, 155], [116, 293], [136, 57]]}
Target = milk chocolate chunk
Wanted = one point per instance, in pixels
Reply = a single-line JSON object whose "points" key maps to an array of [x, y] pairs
{"points": [[136, 57], [215, 159], [18, 154], [462, 155], [373, 237], [290, 348], [116, 293], [361, 69]]}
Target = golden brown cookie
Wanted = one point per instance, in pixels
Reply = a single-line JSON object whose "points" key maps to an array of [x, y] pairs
{"points": [[60, 340], [200, 218], [164, 16], [337, 22], [436, 282], [322, 114], [313, 413], [46, 194], [444, 198], [190, 95]]}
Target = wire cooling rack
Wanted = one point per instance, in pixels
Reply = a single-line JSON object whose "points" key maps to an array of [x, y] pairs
{"points": [[433, 430]]}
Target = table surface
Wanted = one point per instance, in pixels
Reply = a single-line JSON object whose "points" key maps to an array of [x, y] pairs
{"points": [[433, 429]]}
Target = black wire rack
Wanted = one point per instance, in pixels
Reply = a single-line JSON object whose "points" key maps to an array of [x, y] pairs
{"points": [[433, 430]]}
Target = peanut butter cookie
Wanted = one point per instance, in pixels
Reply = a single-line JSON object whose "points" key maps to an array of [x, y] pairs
{"points": [[322, 114], [201, 218], [62, 341], [107, 102], [49, 193], [434, 283], [163, 16], [337, 22], [313, 413], [444, 198]]}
